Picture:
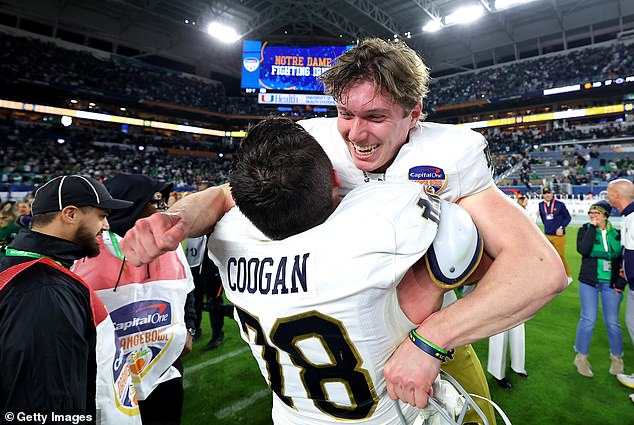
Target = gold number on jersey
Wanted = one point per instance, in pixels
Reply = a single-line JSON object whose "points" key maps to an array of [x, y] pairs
{"points": [[430, 208], [344, 366]]}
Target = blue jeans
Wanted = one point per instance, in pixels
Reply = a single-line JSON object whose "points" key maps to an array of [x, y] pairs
{"points": [[610, 301]]}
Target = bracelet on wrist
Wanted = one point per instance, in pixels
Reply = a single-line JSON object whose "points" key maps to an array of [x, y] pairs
{"points": [[431, 349]]}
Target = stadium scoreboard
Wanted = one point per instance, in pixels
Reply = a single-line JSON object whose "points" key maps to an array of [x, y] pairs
{"points": [[285, 68]]}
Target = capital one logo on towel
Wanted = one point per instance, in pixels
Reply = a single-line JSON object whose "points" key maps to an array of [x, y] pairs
{"points": [[141, 316]]}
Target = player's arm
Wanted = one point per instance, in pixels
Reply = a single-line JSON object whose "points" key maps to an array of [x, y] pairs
{"points": [[455, 258], [192, 216], [525, 275]]}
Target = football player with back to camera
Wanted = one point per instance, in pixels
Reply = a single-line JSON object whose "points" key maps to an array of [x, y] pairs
{"points": [[299, 297], [378, 135]]}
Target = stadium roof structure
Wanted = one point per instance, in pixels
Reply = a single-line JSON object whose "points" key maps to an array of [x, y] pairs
{"points": [[175, 29]]}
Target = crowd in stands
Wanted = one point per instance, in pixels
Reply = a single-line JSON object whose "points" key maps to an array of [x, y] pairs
{"points": [[521, 78], [509, 148], [32, 154], [27, 59]]}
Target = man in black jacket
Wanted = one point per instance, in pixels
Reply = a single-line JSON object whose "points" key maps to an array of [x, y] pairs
{"points": [[49, 318]]}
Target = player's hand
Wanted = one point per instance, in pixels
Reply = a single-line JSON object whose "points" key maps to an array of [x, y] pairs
{"points": [[153, 236], [559, 231], [410, 374], [189, 344]]}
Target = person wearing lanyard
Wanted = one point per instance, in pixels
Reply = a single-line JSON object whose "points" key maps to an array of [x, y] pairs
{"points": [[57, 341], [555, 217], [162, 289], [599, 244]]}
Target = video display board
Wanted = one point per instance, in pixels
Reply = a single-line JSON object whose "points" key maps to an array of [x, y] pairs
{"points": [[285, 67]]}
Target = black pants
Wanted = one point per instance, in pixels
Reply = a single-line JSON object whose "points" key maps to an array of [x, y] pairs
{"points": [[164, 406], [207, 283]]}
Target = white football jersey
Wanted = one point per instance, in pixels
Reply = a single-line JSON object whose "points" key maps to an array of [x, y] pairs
{"points": [[319, 309], [452, 160]]}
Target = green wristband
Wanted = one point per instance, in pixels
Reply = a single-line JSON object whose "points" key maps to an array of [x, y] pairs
{"points": [[431, 349]]}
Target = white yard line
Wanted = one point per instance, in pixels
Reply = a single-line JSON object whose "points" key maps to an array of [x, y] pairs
{"points": [[192, 369], [228, 411]]}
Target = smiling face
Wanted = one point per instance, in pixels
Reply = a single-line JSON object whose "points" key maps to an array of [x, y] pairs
{"points": [[373, 126]]}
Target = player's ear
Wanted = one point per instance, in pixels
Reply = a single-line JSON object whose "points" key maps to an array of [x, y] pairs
{"points": [[336, 180], [415, 114], [336, 184]]}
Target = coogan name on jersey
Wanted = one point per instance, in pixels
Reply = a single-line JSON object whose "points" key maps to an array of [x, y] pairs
{"points": [[283, 275]]}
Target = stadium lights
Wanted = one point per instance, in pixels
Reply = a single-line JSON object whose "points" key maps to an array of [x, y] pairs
{"points": [[432, 26], [464, 15], [222, 32], [505, 4], [66, 120]]}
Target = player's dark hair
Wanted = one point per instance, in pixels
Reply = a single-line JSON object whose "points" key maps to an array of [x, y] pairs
{"points": [[282, 179]]}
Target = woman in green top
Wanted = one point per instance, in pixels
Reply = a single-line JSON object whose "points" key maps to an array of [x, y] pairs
{"points": [[599, 243]]}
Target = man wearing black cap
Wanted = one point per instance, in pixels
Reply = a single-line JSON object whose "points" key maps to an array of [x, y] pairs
{"points": [[132, 294], [555, 217], [57, 347]]}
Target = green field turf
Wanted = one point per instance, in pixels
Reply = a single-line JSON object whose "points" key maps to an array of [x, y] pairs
{"points": [[224, 386]]}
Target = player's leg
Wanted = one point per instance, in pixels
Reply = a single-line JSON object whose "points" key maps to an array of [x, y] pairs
{"points": [[467, 370]]}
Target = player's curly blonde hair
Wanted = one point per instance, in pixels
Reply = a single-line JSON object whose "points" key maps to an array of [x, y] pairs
{"points": [[390, 66]]}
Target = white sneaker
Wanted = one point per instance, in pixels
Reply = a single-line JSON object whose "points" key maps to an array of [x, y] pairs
{"points": [[569, 280], [627, 380], [632, 397]]}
